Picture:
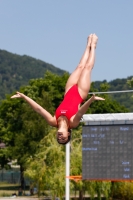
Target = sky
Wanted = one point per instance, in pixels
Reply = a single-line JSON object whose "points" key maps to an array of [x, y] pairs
{"points": [[56, 31]]}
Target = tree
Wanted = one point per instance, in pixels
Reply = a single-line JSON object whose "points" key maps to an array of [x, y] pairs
{"points": [[47, 166], [21, 128], [108, 106], [130, 82]]}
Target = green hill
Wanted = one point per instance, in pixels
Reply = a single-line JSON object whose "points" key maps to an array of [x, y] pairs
{"points": [[16, 71]]}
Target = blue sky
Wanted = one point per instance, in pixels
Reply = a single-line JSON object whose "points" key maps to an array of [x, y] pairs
{"points": [[56, 32]]}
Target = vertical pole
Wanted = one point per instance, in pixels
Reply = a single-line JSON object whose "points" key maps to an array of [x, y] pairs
{"points": [[67, 170]]}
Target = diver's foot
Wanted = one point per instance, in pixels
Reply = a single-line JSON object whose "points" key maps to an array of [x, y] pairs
{"points": [[89, 39], [94, 40]]}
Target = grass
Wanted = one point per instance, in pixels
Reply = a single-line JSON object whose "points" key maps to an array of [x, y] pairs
{"points": [[6, 193], [5, 184], [7, 189]]}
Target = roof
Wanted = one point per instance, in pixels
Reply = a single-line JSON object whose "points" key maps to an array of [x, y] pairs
{"points": [[109, 118]]}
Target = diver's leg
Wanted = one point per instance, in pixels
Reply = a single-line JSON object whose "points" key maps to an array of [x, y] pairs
{"points": [[74, 77], [85, 77]]}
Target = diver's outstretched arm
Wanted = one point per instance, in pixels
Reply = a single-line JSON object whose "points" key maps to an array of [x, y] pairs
{"points": [[44, 113]]}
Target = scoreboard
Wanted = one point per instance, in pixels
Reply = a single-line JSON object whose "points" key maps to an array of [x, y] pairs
{"points": [[107, 152]]}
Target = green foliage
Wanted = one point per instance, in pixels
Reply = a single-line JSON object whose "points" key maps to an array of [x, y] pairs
{"points": [[52, 84], [122, 190], [108, 106], [102, 188], [47, 167], [124, 99], [130, 83], [22, 128]]}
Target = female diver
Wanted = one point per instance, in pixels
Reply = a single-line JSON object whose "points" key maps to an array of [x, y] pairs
{"points": [[69, 112]]}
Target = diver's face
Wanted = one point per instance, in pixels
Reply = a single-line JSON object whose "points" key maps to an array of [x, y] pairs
{"points": [[62, 137]]}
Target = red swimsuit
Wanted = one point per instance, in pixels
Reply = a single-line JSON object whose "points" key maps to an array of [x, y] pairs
{"points": [[70, 103]]}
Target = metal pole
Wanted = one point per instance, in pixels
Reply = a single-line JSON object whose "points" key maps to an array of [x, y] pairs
{"points": [[67, 170], [109, 92]]}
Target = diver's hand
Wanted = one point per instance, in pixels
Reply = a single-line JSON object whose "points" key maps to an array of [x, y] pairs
{"points": [[18, 95], [97, 98]]}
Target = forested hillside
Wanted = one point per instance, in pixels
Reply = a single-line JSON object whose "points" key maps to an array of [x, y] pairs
{"points": [[16, 70]]}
